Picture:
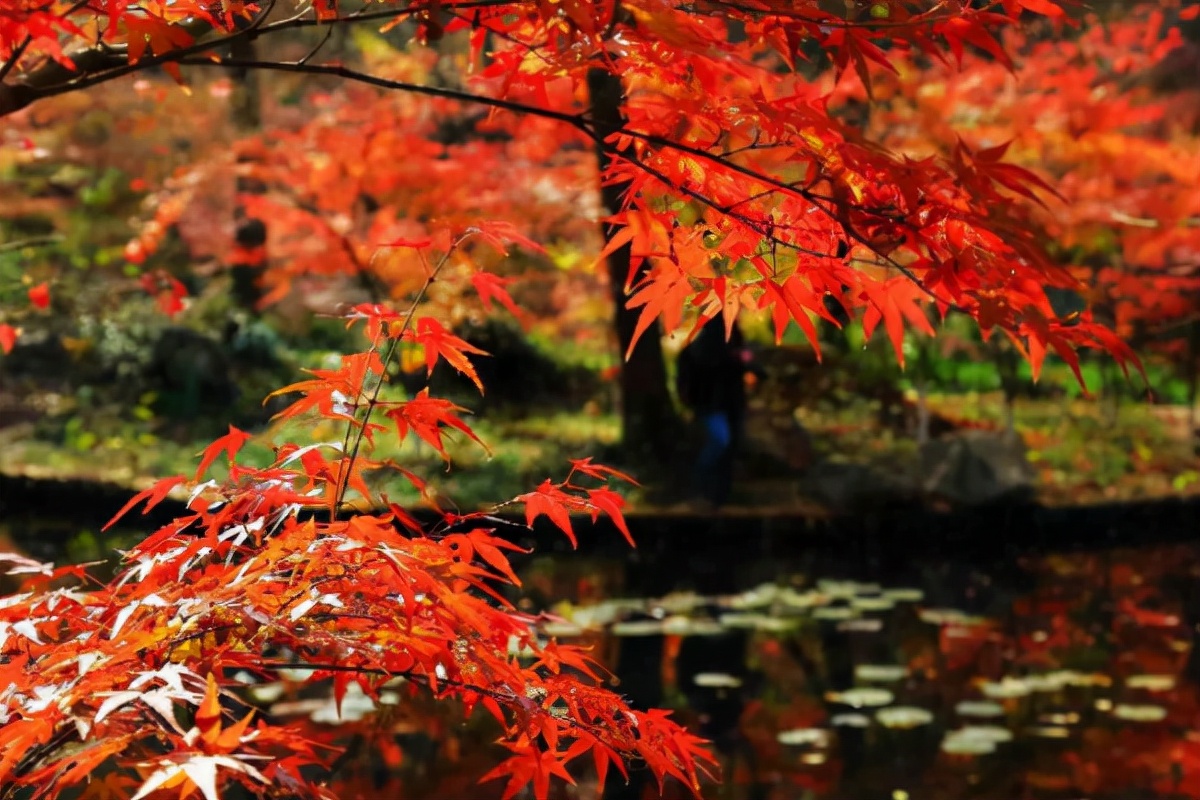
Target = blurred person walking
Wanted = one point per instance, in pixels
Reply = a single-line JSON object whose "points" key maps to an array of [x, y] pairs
{"points": [[711, 382]]}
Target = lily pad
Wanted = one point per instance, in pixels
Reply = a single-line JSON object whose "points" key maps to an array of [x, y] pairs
{"points": [[804, 737], [1151, 683], [904, 595], [850, 720], [979, 708], [885, 673], [1139, 713], [562, 630], [872, 603], [862, 697], [1048, 732], [716, 680], [903, 717], [640, 627], [860, 625], [835, 613], [1006, 688], [991, 733], [966, 746]]}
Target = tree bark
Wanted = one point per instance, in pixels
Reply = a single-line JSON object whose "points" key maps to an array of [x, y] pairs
{"points": [[649, 424], [249, 260]]}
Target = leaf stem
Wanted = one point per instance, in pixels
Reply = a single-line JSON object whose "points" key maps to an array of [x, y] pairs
{"points": [[350, 453]]}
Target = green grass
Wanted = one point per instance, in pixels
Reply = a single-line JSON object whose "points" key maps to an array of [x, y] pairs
{"points": [[1083, 450]]}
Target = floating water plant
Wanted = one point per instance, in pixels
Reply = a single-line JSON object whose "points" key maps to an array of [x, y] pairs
{"points": [[991, 733], [846, 589], [1048, 732], [885, 673], [802, 737], [872, 603], [979, 708], [716, 680], [1151, 683], [861, 625], [640, 627], [835, 613], [1139, 713], [959, 745], [903, 717], [850, 720], [861, 697], [1006, 688], [562, 630], [904, 595]]}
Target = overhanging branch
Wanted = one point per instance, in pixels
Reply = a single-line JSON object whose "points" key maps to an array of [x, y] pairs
{"points": [[577, 121], [98, 64]]}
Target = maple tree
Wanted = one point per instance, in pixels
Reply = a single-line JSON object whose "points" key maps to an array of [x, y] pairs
{"points": [[243, 583], [726, 185], [330, 215], [1085, 114]]}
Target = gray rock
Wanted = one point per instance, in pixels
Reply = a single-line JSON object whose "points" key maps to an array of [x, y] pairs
{"points": [[847, 487], [975, 467]]}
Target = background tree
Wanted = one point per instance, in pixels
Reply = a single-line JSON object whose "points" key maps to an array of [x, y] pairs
{"points": [[740, 191], [1099, 119]]}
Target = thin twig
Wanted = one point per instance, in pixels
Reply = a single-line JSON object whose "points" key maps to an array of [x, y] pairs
{"points": [[30, 88], [36, 241], [324, 40], [18, 51], [350, 453]]}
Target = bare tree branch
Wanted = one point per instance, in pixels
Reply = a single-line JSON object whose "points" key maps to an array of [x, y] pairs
{"points": [[97, 64]]}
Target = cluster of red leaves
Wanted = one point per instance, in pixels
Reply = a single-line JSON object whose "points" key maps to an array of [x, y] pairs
{"points": [[141, 675], [1120, 152], [793, 208], [335, 191], [742, 191], [55, 29]]}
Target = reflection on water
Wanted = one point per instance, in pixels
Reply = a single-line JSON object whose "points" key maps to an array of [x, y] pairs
{"points": [[1050, 677], [1045, 678]]}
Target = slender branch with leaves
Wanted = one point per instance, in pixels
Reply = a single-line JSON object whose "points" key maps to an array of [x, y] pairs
{"points": [[250, 584]]}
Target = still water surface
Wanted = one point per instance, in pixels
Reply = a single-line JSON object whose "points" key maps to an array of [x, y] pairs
{"points": [[827, 677], [1051, 676]]}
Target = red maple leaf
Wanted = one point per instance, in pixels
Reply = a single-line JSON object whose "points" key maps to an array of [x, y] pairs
{"points": [[40, 295], [440, 343]]}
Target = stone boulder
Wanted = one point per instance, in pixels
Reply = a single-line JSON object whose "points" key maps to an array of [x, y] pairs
{"points": [[843, 487], [976, 467]]}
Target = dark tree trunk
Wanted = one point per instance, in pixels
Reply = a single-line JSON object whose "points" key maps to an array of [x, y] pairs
{"points": [[649, 424], [249, 260]]}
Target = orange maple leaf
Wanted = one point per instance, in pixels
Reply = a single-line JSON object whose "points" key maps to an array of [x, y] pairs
{"points": [[490, 288], [894, 302], [586, 467], [229, 444], [609, 502], [551, 501], [153, 496], [440, 343], [155, 34], [425, 416]]}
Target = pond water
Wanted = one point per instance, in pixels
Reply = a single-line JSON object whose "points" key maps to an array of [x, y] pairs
{"points": [[1049, 676], [884, 676]]}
